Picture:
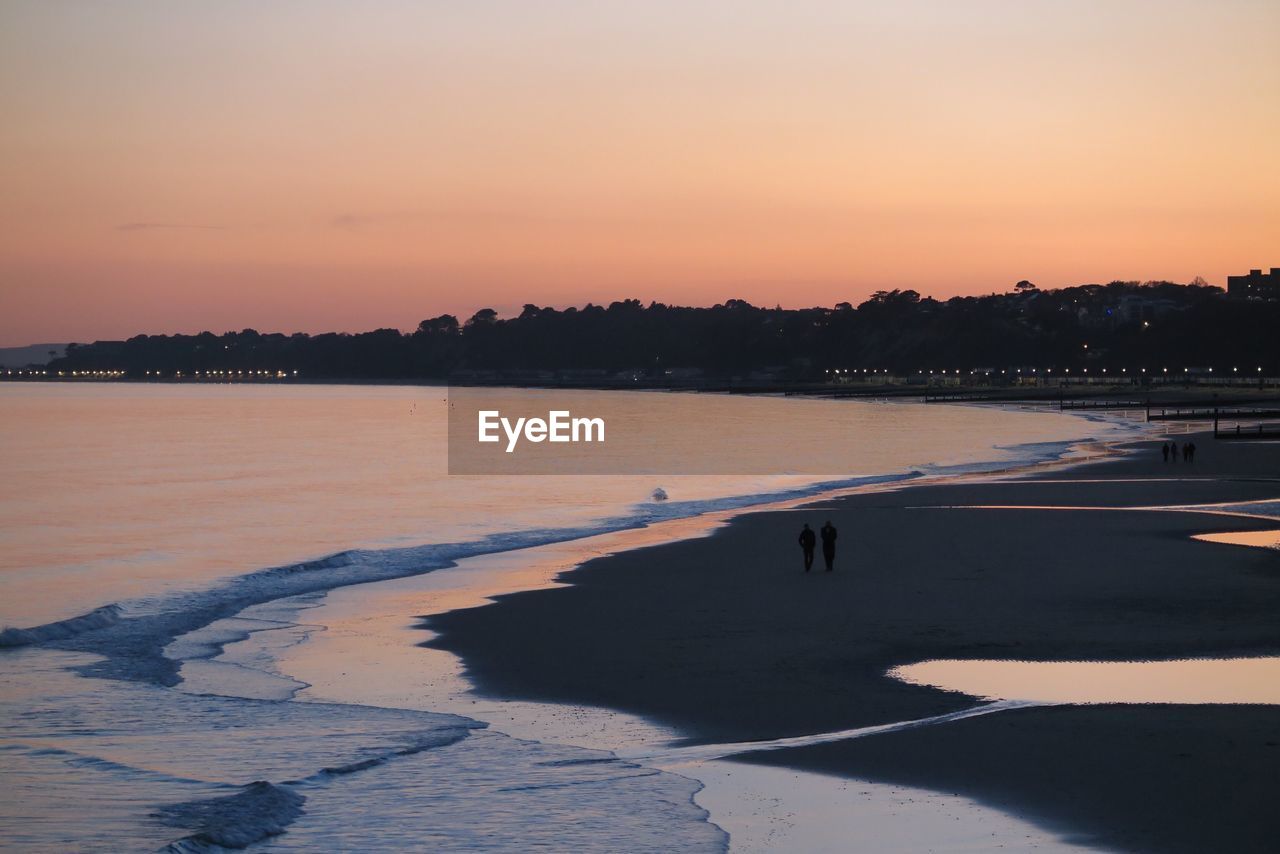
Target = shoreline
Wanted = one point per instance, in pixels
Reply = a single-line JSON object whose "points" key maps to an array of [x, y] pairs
{"points": [[371, 630], [707, 642]]}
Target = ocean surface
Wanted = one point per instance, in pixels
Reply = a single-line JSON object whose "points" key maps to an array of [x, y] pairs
{"points": [[149, 531]]}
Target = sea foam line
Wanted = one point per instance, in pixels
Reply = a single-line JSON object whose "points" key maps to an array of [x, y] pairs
{"points": [[707, 752]]}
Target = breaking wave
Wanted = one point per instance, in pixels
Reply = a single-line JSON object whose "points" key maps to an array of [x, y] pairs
{"points": [[98, 618], [257, 811]]}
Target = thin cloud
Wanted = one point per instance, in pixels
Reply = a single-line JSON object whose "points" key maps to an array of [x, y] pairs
{"points": [[153, 226], [353, 221]]}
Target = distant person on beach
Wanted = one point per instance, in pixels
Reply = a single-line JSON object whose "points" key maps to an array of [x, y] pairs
{"points": [[1173, 451], [1189, 452], [808, 539], [829, 545], [1164, 451]]}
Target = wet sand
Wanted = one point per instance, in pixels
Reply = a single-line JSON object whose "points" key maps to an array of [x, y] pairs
{"points": [[727, 639]]}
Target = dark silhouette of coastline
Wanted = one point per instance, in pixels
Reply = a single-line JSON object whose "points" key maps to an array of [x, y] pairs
{"points": [[1114, 330]]}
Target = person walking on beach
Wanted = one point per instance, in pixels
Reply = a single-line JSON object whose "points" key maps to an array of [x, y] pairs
{"points": [[1189, 452], [829, 545], [1173, 451], [1164, 451], [808, 540]]}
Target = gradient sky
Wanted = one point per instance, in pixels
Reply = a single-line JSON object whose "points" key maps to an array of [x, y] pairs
{"points": [[175, 166]]}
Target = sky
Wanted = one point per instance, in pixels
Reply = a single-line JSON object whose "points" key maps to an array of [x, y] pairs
{"points": [[310, 166]]}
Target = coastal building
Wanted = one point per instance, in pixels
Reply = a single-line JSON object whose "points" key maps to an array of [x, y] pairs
{"points": [[1139, 307], [1256, 285]]}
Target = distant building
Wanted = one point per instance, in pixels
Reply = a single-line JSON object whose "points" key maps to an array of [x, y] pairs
{"points": [[1138, 307], [1256, 285]]}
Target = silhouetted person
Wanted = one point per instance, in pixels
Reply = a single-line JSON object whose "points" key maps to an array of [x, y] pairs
{"points": [[808, 539], [1164, 451], [1189, 452], [829, 545], [1173, 451]]}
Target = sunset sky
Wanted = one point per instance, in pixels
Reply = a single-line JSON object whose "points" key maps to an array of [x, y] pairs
{"points": [[179, 166]]}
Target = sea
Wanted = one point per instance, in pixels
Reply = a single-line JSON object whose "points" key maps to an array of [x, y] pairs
{"points": [[207, 593]]}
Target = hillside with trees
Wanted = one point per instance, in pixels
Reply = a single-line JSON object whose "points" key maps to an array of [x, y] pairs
{"points": [[1122, 325]]}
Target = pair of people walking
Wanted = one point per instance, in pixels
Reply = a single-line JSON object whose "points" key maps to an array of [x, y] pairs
{"points": [[1171, 450], [809, 541]]}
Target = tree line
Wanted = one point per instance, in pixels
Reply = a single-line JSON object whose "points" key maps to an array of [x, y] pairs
{"points": [[1122, 324]]}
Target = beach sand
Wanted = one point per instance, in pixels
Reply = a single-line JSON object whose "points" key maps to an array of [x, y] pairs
{"points": [[727, 639]]}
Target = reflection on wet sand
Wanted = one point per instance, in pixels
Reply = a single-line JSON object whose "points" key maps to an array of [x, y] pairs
{"points": [[1191, 681], [1262, 539]]}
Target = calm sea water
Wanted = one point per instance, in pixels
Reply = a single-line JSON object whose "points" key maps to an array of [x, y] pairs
{"points": [[133, 516]]}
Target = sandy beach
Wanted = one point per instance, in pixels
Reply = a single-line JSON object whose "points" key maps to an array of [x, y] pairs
{"points": [[725, 638]]}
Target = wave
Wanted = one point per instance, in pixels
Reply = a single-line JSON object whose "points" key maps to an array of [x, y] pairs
{"points": [[263, 809], [257, 811], [441, 737], [98, 618]]}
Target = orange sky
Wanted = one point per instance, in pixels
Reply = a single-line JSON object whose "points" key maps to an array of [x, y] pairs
{"points": [[309, 166]]}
